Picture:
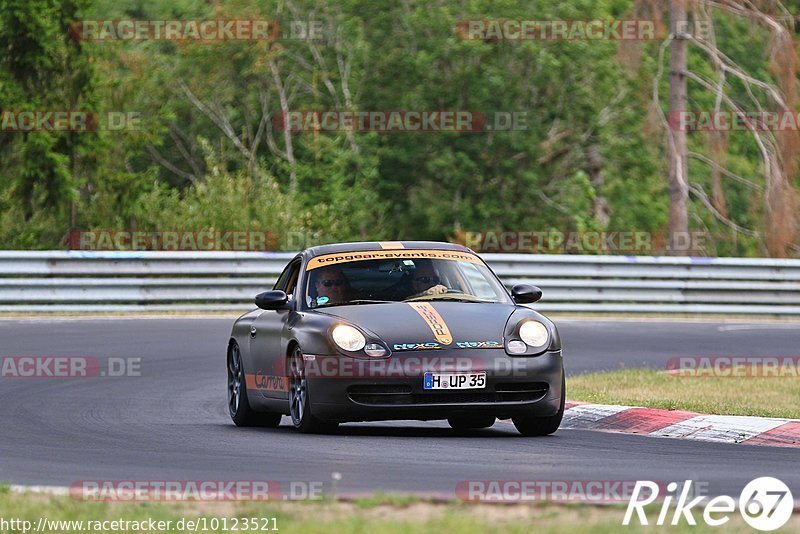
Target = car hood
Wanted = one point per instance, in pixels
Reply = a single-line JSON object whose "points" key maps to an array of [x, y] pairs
{"points": [[403, 323]]}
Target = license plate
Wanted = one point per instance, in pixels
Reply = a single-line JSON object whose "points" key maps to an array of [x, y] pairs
{"points": [[454, 381]]}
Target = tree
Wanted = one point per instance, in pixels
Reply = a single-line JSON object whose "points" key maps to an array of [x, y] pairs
{"points": [[678, 168], [43, 68], [734, 90]]}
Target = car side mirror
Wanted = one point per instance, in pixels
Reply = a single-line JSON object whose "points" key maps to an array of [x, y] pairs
{"points": [[525, 294], [271, 300]]}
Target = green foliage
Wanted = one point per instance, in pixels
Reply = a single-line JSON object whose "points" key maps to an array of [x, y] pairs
{"points": [[42, 68], [208, 154]]}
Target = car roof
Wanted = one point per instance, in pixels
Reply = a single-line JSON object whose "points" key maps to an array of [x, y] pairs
{"points": [[361, 246]]}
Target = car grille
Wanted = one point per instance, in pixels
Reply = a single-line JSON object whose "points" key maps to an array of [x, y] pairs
{"points": [[401, 395]]}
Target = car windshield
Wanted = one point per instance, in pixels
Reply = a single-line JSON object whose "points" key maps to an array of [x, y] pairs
{"points": [[337, 280]]}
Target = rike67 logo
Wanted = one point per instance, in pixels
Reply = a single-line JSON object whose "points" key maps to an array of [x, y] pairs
{"points": [[765, 503]]}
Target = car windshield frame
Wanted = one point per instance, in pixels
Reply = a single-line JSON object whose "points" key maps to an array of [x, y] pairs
{"points": [[346, 261]]}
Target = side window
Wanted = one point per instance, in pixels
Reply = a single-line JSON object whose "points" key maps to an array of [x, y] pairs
{"points": [[480, 287], [284, 276], [288, 278], [291, 281]]}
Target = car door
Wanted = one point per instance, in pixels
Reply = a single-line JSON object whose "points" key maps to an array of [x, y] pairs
{"points": [[266, 345]]}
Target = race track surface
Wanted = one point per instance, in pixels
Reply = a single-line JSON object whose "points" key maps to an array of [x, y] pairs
{"points": [[170, 423]]}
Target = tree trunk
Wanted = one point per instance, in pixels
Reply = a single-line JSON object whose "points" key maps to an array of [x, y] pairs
{"points": [[678, 179], [594, 168], [718, 149], [781, 197]]}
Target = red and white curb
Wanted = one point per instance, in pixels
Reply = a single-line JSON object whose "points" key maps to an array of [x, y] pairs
{"points": [[772, 431]]}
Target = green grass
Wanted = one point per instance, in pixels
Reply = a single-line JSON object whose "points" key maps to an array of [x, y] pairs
{"points": [[760, 396], [386, 499], [383, 515]]}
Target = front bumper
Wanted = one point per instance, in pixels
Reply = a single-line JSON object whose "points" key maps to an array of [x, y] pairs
{"points": [[393, 388]]}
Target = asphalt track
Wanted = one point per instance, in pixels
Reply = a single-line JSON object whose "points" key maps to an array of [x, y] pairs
{"points": [[170, 423]]}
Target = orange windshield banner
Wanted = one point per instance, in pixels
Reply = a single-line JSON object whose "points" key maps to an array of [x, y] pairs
{"points": [[396, 254]]}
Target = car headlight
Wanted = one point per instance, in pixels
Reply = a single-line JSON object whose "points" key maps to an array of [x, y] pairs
{"points": [[534, 333], [348, 338]]}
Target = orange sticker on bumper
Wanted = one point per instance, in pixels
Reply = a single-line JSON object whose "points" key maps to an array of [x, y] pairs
{"points": [[434, 320]]}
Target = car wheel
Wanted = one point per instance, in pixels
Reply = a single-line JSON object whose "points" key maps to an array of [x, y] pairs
{"points": [[469, 423], [238, 405], [542, 426], [299, 401]]}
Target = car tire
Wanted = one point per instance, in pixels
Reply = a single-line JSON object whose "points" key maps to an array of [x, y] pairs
{"points": [[239, 407], [529, 425], [470, 422], [299, 400]]}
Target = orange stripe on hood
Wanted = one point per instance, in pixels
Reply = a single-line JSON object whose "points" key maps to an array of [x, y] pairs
{"points": [[434, 320]]}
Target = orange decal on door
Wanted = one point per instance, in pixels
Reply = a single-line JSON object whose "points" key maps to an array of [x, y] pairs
{"points": [[259, 382]]}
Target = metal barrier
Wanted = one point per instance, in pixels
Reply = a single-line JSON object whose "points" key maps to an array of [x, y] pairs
{"points": [[61, 281]]}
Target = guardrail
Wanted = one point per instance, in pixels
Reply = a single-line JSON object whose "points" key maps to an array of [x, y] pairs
{"points": [[61, 281]]}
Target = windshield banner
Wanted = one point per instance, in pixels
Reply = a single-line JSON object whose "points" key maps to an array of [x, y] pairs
{"points": [[400, 254]]}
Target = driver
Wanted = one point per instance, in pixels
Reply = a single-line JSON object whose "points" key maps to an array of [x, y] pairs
{"points": [[331, 286], [425, 281]]}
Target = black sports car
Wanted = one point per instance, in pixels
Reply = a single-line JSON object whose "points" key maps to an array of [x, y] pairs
{"points": [[395, 330]]}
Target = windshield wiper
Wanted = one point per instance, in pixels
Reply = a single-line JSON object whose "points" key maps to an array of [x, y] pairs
{"points": [[365, 301]]}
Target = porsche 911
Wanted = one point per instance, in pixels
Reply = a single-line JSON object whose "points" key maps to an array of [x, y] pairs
{"points": [[395, 330]]}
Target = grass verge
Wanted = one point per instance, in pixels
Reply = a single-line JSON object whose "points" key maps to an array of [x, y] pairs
{"points": [[342, 517], [759, 396]]}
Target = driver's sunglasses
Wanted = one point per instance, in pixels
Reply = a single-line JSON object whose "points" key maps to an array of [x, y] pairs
{"points": [[427, 279], [331, 283]]}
